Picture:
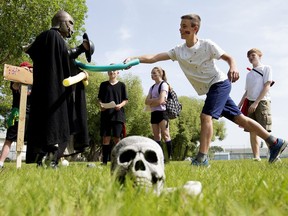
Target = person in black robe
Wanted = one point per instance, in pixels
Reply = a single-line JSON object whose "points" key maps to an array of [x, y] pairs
{"points": [[56, 112]]}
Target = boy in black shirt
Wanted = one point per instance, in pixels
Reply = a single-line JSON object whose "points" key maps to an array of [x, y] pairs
{"points": [[112, 119]]}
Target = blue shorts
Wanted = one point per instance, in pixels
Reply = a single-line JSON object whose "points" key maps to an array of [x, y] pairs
{"points": [[218, 102]]}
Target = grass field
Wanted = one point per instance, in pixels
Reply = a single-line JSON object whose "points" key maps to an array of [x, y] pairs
{"points": [[237, 187]]}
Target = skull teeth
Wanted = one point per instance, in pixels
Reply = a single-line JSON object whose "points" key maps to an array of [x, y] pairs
{"points": [[142, 182]]}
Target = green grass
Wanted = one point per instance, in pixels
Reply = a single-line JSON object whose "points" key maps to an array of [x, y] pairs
{"points": [[240, 187]]}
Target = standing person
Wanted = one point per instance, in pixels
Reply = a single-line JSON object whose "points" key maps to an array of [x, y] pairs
{"points": [[57, 112], [156, 101], [112, 118], [196, 58], [12, 130], [257, 91]]}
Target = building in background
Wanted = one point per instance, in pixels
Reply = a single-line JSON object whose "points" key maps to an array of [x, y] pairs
{"points": [[244, 153]]}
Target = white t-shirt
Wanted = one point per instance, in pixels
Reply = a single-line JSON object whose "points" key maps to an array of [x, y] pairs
{"points": [[198, 64], [155, 94], [255, 82]]}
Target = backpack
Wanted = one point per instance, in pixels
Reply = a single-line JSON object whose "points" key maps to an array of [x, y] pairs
{"points": [[173, 107]]}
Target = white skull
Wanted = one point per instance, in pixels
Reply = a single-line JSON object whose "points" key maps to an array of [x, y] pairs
{"points": [[140, 159]]}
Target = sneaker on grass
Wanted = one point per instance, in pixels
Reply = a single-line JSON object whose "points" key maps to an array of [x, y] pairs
{"points": [[277, 149], [278, 160], [204, 163], [54, 165]]}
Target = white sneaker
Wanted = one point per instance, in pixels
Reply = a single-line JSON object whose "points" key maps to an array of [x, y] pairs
{"points": [[277, 160], [257, 159]]}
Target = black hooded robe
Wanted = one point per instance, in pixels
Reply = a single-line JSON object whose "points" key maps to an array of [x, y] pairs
{"points": [[56, 112]]}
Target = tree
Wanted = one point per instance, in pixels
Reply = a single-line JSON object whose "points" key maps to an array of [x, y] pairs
{"points": [[214, 149], [138, 121], [93, 113], [20, 22], [23, 20]]}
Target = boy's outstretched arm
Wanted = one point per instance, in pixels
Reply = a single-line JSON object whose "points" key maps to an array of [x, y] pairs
{"points": [[233, 74], [149, 59]]}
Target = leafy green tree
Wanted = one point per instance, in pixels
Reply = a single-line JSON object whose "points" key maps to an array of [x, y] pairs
{"points": [[93, 112], [138, 121], [21, 21], [216, 149]]}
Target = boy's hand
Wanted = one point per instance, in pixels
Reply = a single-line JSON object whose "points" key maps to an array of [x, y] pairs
{"points": [[253, 107], [233, 75], [126, 61], [117, 107]]}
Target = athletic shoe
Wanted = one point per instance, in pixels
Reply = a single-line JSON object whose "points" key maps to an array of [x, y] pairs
{"points": [[277, 149], [257, 159], [46, 161], [278, 160], [39, 164], [54, 165], [204, 163]]}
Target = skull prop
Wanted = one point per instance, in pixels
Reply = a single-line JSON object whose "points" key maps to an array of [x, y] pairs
{"points": [[140, 159]]}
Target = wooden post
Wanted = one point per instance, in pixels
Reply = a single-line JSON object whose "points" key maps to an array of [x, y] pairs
{"points": [[21, 124], [24, 76]]}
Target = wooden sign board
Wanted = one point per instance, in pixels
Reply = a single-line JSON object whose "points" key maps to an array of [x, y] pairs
{"points": [[24, 76], [17, 74]]}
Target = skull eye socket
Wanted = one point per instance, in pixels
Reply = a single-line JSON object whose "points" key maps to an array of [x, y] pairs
{"points": [[151, 156], [127, 156]]}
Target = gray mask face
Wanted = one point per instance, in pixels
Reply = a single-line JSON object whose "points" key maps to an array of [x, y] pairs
{"points": [[66, 29], [64, 23]]}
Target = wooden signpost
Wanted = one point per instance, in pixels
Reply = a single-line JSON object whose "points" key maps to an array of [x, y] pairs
{"points": [[25, 77], [17, 74]]}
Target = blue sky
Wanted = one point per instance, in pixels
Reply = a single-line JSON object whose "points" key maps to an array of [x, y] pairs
{"points": [[123, 28]]}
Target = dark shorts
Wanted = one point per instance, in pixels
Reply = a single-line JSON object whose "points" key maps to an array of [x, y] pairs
{"points": [[262, 114], [218, 102], [11, 133], [158, 116], [114, 129]]}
